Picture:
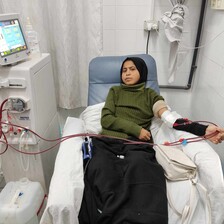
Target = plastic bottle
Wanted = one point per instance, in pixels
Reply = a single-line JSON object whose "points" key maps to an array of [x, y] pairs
{"points": [[32, 38]]}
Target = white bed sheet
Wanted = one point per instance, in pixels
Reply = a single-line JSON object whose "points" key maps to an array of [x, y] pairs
{"points": [[67, 185], [209, 175]]}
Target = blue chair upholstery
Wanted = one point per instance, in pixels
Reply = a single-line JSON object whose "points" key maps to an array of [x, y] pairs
{"points": [[104, 72]]}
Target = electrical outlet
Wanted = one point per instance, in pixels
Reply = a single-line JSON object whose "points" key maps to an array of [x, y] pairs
{"points": [[151, 25], [217, 4]]}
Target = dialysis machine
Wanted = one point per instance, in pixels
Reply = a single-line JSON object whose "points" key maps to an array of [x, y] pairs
{"points": [[28, 93]]}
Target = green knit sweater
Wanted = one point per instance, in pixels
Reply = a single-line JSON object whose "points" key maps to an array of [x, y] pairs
{"points": [[127, 110]]}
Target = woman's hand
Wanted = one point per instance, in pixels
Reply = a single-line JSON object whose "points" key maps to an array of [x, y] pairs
{"points": [[222, 134], [219, 137], [145, 135]]}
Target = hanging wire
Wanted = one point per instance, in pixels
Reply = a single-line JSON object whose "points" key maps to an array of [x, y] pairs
{"points": [[147, 43]]}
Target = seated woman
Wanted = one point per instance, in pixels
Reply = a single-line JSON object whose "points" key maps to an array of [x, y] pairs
{"points": [[123, 182]]}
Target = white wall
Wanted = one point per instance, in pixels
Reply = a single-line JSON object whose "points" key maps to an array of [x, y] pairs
{"points": [[123, 26], [208, 91]]}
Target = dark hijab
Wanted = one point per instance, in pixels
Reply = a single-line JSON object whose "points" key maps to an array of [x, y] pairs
{"points": [[141, 67]]}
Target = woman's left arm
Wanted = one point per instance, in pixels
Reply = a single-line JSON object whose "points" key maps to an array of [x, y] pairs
{"points": [[184, 125]]}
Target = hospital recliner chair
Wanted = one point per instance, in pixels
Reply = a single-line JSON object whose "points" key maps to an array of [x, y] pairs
{"points": [[66, 188]]}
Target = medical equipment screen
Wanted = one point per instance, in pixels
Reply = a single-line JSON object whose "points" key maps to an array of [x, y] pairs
{"points": [[13, 45], [11, 38]]}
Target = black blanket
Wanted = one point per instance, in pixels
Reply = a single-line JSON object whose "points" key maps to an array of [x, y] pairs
{"points": [[124, 184]]}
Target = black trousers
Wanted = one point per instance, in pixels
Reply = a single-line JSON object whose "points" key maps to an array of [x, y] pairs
{"points": [[124, 184]]}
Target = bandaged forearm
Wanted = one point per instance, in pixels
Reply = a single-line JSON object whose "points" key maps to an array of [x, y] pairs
{"points": [[169, 118], [182, 124], [192, 127]]}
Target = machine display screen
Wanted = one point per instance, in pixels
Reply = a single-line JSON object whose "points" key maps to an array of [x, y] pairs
{"points": [[11, 38]]}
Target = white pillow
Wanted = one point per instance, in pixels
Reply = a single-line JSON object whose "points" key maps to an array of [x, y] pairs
{"points": [[91, 117]]}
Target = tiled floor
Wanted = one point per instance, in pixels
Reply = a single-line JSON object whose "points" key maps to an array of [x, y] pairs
{"points": [[63, 114]]}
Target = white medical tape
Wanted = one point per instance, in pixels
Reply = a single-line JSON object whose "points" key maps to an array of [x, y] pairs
{"points": [[168, 118]]}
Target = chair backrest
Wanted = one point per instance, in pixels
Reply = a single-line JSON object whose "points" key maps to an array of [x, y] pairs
{"points": [[104, 72]]}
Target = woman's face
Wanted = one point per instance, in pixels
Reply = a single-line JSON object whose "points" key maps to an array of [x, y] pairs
{"points": [[130, 74]]}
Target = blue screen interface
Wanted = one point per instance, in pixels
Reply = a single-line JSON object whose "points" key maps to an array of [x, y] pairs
{"points": [[11, 38]]}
